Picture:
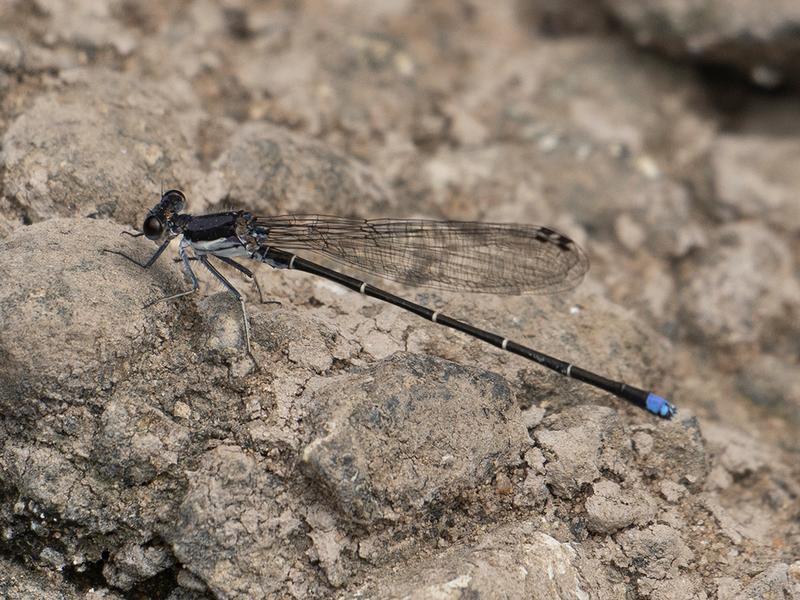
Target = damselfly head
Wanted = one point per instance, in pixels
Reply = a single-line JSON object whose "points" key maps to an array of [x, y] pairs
{"points": [[161, 216]]}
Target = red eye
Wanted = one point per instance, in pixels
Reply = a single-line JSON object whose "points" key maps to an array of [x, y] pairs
{"points": [[153, 227]]}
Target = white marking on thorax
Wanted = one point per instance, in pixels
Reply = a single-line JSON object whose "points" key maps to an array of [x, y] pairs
{"points": [[228, 247]]}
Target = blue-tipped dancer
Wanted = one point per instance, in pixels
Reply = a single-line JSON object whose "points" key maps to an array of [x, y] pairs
{"points": [[449, 255]]}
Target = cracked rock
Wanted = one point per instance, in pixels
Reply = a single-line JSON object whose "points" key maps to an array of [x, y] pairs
{"points": [[510, 561], [234, 531], [134, 563], [611, 508], [411, 431]]}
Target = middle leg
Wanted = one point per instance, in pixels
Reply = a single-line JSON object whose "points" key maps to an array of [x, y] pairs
{"points": [[187, 268], [229, 286]]}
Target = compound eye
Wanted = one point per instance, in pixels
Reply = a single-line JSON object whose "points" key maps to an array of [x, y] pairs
{"points": [[175, 200], [153, 227]]}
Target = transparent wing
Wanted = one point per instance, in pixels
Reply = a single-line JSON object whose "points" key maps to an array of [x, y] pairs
{"points": [[451, 255]]}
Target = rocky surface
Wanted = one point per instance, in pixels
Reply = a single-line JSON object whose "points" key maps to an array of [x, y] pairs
{"points": [[760, 41], [360, 451]]}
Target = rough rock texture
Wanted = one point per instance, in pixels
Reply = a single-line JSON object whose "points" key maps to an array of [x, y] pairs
{"points": [[384, 446], [760, 40], [361, 451], [91, 144], [513, 561], [259, 169], [752, 180]]}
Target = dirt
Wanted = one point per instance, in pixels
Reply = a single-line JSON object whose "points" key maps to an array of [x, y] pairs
{"points": [[362, 452]]}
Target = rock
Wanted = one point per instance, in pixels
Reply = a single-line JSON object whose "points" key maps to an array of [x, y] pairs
{"points": [[556, 18], [11, 55], [574, 453], [234, 531], [145, 450], [583, 442], [50, 490], [348, 84], [305, 342], [742, 289], [21, 583], [600, 92], [87, 24], [772, 582], [737, 451], [762, 44], [755, 177], [519, 183], [99, 123], [658, 550], [134, 563], [381, 436], [610, 508], [511, 561], [272, 171], [75, 312], [136, 443], [772, 382]]}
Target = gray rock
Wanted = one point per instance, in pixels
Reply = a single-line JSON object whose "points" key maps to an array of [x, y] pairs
{"points": [[98, 144], [772, 382], [742, 289], [658, 550], [272, 170], [573, 453], [18, 582], [775, 581], [136, 443], [87, 24], [60, 512], [611, 508], [599, 92], [11, 54], [553, 17], [520, 183], [755, 176], [134, 563], [308, 343], [410, 432], [74, 313], [761, 43], [584, 442], [510, 561], [140, 444], [235, 530], [350, 85]]}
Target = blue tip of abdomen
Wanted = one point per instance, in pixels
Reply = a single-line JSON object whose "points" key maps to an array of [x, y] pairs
{"points": [[660, 406]]}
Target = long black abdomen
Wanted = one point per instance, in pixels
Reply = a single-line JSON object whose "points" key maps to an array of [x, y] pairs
{"points": [[211, 227]]}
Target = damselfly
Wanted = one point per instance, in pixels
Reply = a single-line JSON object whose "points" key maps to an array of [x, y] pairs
{"points": [[450, 255]]}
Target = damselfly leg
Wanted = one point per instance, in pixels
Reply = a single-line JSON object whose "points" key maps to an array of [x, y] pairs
{"points": [[244, 270], [229, 286], [188, 269], [150, 261]]}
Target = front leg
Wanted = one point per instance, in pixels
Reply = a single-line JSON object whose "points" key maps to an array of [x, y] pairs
{"points": [[150, 261], [187, 267]]}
